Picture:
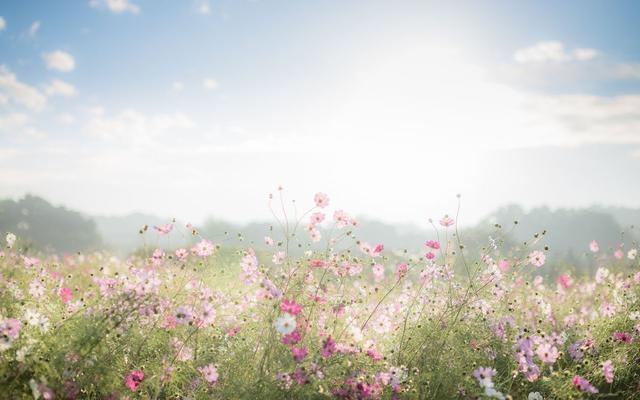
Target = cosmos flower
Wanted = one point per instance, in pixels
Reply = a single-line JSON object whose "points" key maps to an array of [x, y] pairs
{"points": [[10, 239], [447, 221], [299, 353], [204, 248], [594, 247], [164, 229], [285, 324], [321, 199], [537, 258], [290, 307], [583, 385], [607, 371], [209, 373], [134, 379]]}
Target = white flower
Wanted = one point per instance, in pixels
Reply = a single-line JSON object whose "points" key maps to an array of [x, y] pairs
{"points": [[631, 255], [285, 324], [279, 257], [534, 396], [32, 317], [11, 239]]}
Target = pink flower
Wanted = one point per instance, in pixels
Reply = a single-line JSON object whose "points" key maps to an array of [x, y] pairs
{"points": [[328, 347], [503, 265], [378, 272], [65, 294], [290, 306], [374, 355], [291, 338], [401, 270], [430, 255], [594, 247], [164, 229], [584, 385], [548, 354], [565, 281], [618, 254], [182, 254], [537, 258], [623, 337], [341, 218], [10, 328], [433, 244], [447, 221], [30, 261], [134, 379], [209, 373], [321, 199], [318, 263], [377, 250], [279, 257], [268, 241], [204, 248], [607, 370], [317, 218], [299, 353]]}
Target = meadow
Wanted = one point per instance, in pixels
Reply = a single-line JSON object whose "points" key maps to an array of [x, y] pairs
{"points": [[323, 314]]}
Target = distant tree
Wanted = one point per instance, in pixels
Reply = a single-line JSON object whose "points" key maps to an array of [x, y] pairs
{"points": [[47, 227]]}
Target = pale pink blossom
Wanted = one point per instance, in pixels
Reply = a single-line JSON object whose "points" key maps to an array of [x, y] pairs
{"points": [[537, 258], [321, 199]]}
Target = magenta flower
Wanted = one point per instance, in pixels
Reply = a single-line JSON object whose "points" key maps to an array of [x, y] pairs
{"points": [[565, 281], [430, 255], [65, 294], [134, 379], [401, 270], [584, 385], [328, 347], [290, 306], [299, 353], [291, 338], [433, 244], [623, 337]]}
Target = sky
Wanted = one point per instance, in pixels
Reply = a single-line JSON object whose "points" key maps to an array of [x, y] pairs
{"points": [[192, 109]]}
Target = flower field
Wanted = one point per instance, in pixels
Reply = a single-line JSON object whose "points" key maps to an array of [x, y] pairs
{"points": [[320, 314]]}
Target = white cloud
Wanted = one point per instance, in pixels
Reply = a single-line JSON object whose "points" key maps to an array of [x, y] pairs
{"points": [[585, 54], [3, 24], [552, 51], [627, 71], [210, 84], [13, 121], [203, 7], [59, 60], [177, 86], [19, 92], [116, 6], [66, 119], [135, 126], [33, 29], [60, 88]]}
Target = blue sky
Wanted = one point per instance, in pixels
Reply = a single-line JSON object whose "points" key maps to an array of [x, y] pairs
{"points": [[196, 108]]}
